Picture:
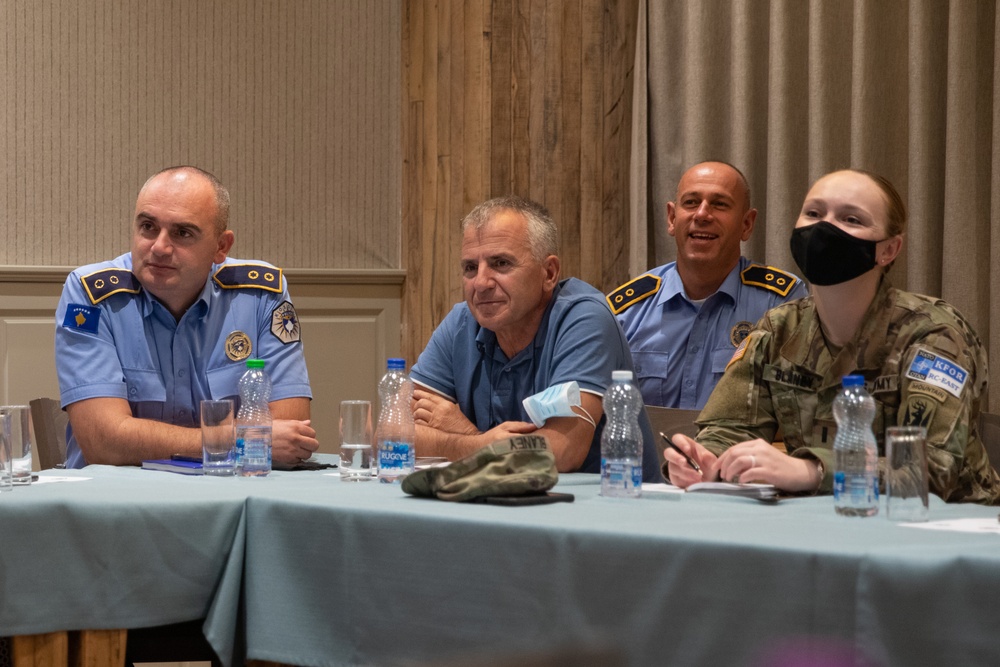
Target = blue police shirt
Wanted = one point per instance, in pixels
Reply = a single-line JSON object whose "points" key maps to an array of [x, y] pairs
{"points": [[576, 340], [115, 340], [681, 349]]}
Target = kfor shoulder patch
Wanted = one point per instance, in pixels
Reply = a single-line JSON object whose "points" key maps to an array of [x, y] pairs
{"points": [[633, 292], [239, 276], [102, 284], [768, 278], [937, 371]]}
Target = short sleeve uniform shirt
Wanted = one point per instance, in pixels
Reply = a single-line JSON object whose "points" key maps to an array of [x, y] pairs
{"points": [[577, 340], [115, 340]]}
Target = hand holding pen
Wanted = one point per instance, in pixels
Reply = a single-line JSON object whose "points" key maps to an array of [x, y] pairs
{"points": [[687, 458]]}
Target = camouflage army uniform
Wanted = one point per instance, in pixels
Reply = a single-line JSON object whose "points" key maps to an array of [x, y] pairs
{"points": [[781, 383]]}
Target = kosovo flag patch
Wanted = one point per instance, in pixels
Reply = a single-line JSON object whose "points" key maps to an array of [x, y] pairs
{"points": [[82, 318]]}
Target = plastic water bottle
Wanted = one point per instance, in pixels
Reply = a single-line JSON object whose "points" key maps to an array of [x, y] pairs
{"points": [[621, 441], [855, 453], [395, 431], [253, 422]]}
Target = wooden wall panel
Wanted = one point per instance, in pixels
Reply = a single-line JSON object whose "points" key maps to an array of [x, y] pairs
{"points": [[530, 97]]}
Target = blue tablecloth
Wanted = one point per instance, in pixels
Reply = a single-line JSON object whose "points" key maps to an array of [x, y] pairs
{"points": [[341, 574]]}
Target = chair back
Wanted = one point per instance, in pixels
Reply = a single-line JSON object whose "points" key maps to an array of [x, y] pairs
{"points": [[49, 421], [670, 421]]}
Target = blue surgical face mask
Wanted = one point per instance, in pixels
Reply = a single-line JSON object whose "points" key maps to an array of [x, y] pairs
{"points": [[556, 401]]}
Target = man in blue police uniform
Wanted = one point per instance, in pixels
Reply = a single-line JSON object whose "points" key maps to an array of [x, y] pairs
{"points": [[143, 338], [685, 319], [520, 331]]}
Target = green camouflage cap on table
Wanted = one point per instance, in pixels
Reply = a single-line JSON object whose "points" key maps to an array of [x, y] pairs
{"points": [[518, 466]]}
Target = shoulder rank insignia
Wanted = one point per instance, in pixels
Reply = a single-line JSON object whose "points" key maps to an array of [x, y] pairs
{"points": [[769, 278], [259, 276], [102, 284], [633, 292]]}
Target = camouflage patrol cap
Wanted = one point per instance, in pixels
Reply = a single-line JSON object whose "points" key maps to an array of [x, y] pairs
{"points": [[518, 466]]}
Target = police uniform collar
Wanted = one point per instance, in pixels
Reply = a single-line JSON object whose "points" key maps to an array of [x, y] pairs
{"points": [[200, 305], [673, 286]]}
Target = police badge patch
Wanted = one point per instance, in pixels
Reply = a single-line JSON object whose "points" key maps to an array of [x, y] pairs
{"points": [[238, 346], [285, 323], [739, 331]]}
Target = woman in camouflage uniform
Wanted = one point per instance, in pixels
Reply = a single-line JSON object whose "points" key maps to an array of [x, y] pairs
{"points": [[922, 361]]}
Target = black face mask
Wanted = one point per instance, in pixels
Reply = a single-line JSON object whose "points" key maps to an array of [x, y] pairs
{"points": [[827, 255]]}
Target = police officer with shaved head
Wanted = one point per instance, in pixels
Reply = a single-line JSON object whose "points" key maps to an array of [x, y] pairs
{"points": [[143, 338], [684, 319]]}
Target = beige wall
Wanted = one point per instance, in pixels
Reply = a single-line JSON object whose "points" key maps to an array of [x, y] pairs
{"points": [[293, 104]]}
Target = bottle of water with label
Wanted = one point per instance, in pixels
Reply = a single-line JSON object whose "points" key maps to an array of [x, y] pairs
{"points": [[253, 422], [621, 441], [855, 452], [395, 432]]}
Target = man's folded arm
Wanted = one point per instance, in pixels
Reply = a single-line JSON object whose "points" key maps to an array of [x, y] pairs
{"points": [[108, 434], [569, 438]]}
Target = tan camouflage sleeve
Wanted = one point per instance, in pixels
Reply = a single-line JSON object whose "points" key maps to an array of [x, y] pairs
{"points": [[739, 408], [943, 377]]}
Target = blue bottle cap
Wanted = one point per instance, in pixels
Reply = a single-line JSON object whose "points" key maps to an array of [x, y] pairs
{"points": [[853, 381], [396, 364]]}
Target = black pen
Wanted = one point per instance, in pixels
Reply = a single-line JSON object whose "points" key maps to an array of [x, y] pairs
{"points": [[678, 449]]}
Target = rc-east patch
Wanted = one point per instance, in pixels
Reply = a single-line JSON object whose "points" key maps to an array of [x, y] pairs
{"points": [[937, 371], [285, 323]]}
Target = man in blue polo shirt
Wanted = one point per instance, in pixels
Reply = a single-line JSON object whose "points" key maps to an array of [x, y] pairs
{"points": [[143, 338], [684, 320], [520, 331]]}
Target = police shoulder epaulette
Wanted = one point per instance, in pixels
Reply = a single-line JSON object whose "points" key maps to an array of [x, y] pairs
{"points": [[102, 284], [769, 278], [258, 276], [633, 292]]}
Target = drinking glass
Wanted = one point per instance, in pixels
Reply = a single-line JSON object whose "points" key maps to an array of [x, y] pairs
{"points": [[355, 441], [218, 438], [6, 483], [20, 435], [906, 473]]}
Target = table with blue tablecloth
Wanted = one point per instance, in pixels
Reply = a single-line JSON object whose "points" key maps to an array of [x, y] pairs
{"points": [[304, 569]]}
